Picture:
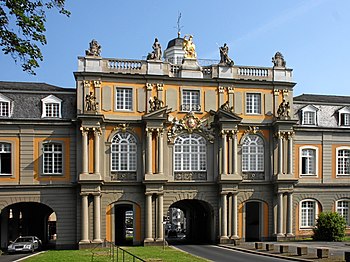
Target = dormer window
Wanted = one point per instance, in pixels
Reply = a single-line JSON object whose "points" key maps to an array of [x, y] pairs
{"points": [[309, 115], [51, 107], [344, 116], [5, 106]]}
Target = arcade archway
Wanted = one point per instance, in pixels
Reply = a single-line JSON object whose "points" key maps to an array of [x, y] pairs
{"points": [[28, 219], [190, 221]]}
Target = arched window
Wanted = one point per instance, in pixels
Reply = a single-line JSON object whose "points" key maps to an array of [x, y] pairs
{"points": [[343, 210], [190, 153], [123, 152], [253, 154], [308, 213]]}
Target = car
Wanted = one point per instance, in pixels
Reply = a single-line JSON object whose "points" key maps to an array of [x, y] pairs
{"points": [[24, 244]]}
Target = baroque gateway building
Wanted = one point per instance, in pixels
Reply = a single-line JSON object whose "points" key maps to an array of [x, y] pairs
{"points": [[224, 147]]}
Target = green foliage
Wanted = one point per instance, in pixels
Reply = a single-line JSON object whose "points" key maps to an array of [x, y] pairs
{"points": [[330, 226], [22, 29]]}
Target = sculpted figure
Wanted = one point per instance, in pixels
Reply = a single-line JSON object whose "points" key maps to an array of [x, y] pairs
{"points": [[283, 110], [94, 48], [189, 47], [224, 58], [155, 104], [90, 102], [278, 60], [157, 51]]}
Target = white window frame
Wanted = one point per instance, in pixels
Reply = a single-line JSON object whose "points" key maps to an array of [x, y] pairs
{"points": [[253, 103], [345, 159], [5, 103], [306, 209], [5, 148], [56, 158], [127, 98], [119, 156], [344, 117], [190, 153], [301, 161], [305, 117], [258, 146], [49, 101], [189, 101], [344, 210]]}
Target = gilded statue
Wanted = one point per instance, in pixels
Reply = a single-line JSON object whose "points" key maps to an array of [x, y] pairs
{"points": [[189, 47]]}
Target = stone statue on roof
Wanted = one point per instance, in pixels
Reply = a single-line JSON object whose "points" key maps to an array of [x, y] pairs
{"points": [[157, 51], [94, 49], [278, 60], [224, 58]]}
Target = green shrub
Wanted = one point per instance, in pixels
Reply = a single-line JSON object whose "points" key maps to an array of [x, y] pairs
{"points": [[330, 226]]}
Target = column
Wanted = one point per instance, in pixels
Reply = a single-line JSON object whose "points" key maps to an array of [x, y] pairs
{"points": [[148, 217], [97, 133], [97, 218], [280, 153], [280, 215], [85, 154], [149, 151], [230, 156], [290, 154], [235, 154], [223, 216], [290, 214], [160, 151], [84, 219], [223, 153], [234, 216], [160, 217], [229, 217]]}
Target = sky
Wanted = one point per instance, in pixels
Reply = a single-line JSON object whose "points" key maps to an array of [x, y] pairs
{"points": [[312, 35]]}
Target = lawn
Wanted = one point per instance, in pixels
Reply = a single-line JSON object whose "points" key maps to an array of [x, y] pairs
{"points": [[151, 254]]}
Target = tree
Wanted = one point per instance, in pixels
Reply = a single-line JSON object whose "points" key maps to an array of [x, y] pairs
{"points": [[22, 29], [330, 226]]}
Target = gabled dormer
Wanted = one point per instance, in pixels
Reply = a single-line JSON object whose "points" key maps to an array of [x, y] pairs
{"points": [[344, 116], [308, 115], [5, 106], [51, 107]]}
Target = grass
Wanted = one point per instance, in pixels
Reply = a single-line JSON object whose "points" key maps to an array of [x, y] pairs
{"points": [[151, 254]]}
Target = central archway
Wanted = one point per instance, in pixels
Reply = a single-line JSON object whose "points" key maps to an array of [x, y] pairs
{"points": [[193, 225]]}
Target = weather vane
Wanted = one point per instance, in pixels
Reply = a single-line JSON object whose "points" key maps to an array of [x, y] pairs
{"points": [[178, 25]]}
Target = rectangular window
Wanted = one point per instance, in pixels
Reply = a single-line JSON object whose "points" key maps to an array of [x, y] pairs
{"points": [[190, 100], [345, 119], [4, 109], [308, 214], [5, 159], [124, 99], [308, 162], [253, 103], [52, 110], [343, 162], [309, 118], [52, 159]]}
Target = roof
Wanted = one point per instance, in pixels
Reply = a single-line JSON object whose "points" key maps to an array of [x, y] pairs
{"points": [[175, 42], [32, 86], [311, 98]]}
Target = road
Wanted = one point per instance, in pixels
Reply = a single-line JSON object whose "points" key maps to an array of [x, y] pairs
{"points": [[219, 254]]}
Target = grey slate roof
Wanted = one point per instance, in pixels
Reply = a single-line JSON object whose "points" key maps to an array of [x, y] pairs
{"points": [[31, 86], [26, 99], [310, 98]]}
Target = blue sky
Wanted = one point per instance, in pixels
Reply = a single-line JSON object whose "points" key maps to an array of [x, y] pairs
{"points": [[313, 36]]}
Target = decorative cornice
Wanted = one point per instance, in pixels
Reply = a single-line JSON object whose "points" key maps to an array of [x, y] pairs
{"points": [[160, 86], [149, 86], [221, 89], [276, 92], [86, 84], [97, 84]]}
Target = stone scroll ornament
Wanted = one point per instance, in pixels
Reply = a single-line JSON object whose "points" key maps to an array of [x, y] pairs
{"points": [[94, 49], [190, 124]]}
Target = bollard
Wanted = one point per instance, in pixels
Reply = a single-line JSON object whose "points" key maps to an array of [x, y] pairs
{"points": [[284, 249], [322, 252], [301, 251], [258, 245], [347, 256], [270, 247]]}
